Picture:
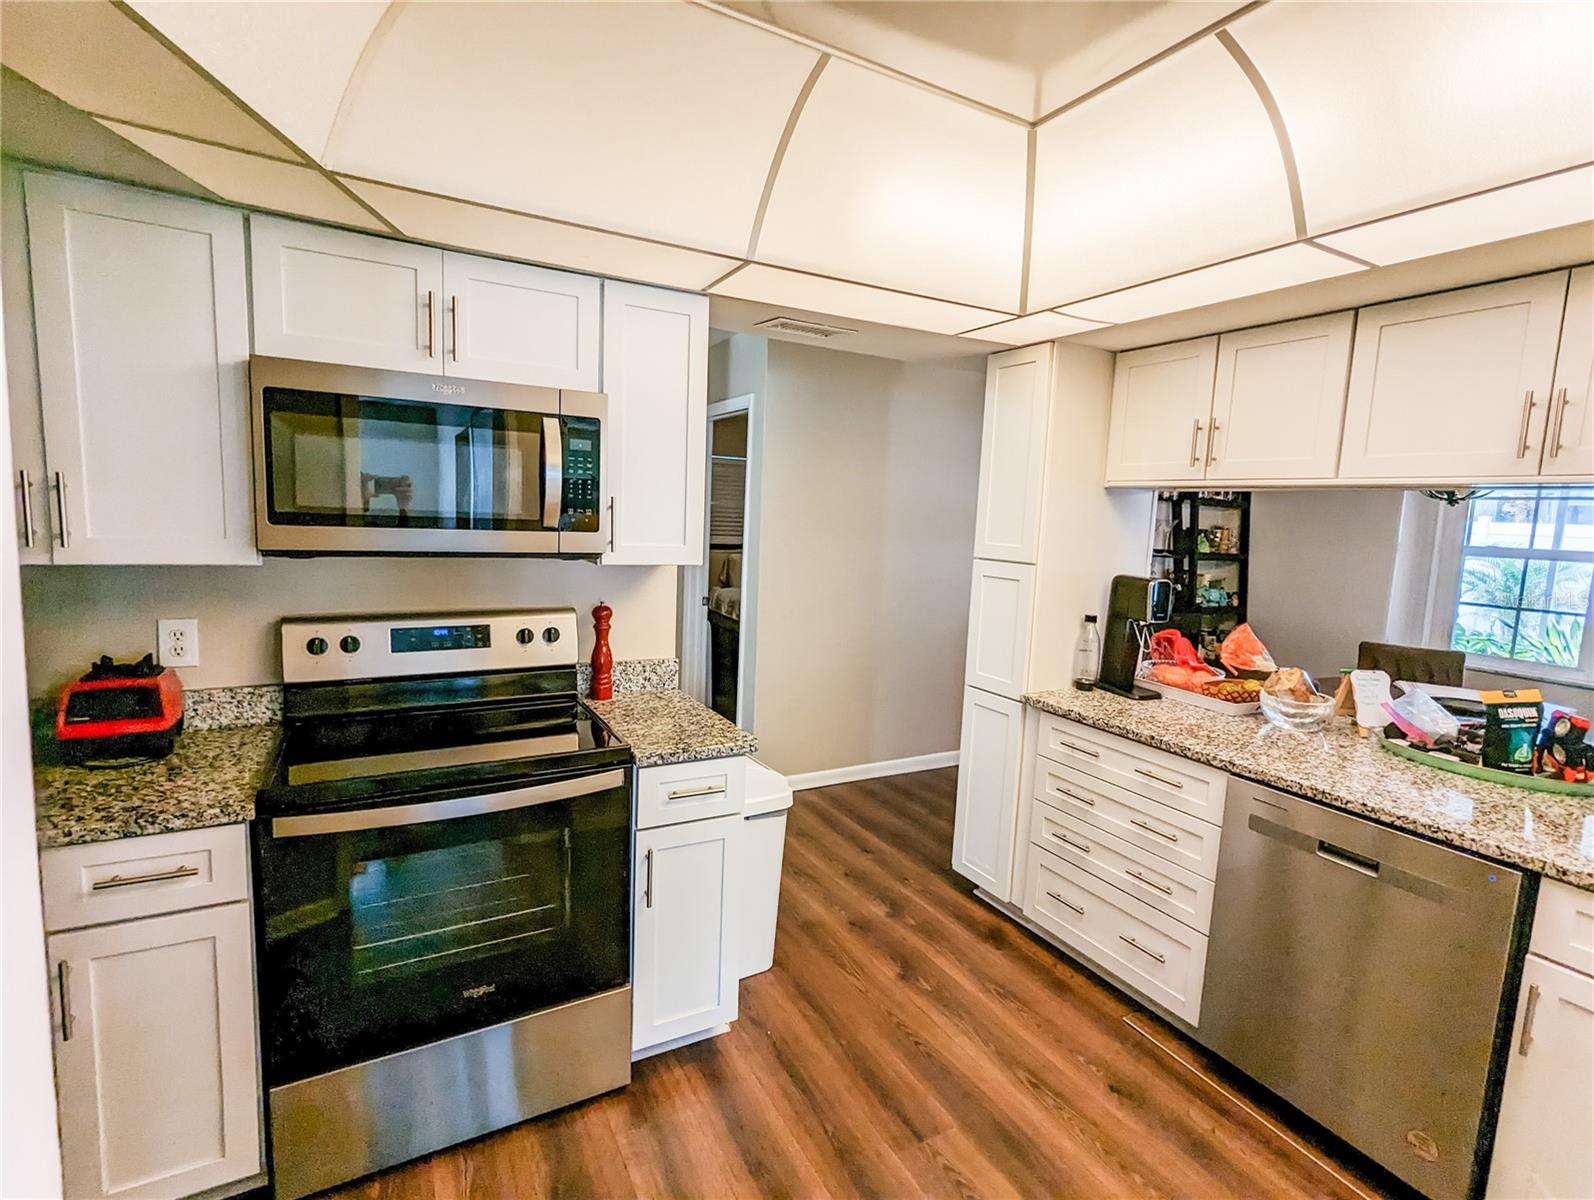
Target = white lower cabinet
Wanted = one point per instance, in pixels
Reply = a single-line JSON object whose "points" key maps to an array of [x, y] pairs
{"points": [[155, 1055], [684, 978], [987, 796]]}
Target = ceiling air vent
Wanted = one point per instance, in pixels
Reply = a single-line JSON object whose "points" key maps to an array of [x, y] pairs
{"points": [[803, 328]]}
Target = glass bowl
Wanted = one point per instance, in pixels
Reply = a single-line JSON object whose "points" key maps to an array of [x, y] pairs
{"points": [[1299, 716]]}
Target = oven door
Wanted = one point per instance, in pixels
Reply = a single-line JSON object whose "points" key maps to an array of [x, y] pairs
{"points": [[354, 460], [388, 928]]}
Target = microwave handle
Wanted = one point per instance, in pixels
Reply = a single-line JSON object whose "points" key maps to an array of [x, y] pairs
{"points": [[553, 470]]}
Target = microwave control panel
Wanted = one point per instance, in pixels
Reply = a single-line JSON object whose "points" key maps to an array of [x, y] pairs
{"points": [[579, 512]]}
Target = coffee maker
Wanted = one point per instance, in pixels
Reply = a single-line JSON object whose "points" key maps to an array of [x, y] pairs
{"points": [[1135, 606]]}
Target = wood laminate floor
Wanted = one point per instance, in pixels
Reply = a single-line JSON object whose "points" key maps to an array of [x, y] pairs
{"points": [[909, 1041]]}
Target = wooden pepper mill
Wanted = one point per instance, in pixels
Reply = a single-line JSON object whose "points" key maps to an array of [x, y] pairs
{"points": [[602, 656]]}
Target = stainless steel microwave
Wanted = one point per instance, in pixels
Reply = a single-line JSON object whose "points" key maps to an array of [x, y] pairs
{"points": [[350, 460]]}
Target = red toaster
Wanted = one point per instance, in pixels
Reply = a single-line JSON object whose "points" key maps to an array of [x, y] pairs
{"points": [[120, 711]]}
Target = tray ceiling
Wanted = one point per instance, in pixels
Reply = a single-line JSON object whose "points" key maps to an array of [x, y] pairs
{"points": [[999, 169]]}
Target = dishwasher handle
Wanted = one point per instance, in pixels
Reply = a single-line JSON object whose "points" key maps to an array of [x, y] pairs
{"points": [[1348, 858]]}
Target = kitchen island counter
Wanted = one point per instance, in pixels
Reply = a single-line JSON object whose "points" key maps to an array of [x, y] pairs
{"points": [[671, 727], [1548, 833]]}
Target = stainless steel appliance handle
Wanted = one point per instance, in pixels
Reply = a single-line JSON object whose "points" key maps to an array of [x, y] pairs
{"points": [[445, 810], [1134, 874], [30, 534], [1561, 400], [553, 466], [1139, 824], [60, 509], [1124, 937], [1068, 841], [1077, 749], [1348, 858], [1076, 907], [647, 882], [716, 789], [431, 323], [1195, 438], [1173, 783], [116, 881], [63, 975], [1526, 1041], [454, 309], [1527, 415]]}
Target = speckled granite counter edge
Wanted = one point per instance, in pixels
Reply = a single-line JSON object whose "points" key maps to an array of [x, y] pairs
{"points": [[666, 726]]}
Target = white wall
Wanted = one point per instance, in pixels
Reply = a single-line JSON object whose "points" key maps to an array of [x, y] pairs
{"points": [[866, 531], [75, 614]]}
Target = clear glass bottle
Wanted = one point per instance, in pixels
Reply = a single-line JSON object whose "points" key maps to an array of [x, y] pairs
{"points": [[1087, 654]]}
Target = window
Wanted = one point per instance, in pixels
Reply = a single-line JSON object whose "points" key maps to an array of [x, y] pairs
{"points": [[1522, 594]]}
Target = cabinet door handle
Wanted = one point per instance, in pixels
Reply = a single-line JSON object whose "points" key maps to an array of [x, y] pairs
{"points": [[116, 881], [454, 309], [647, 881], [1068, 841], [1124, 937], [1195, 437], [60, 509], [1152, 775], [1526, 1040], [713, 789], [1077, 908], [1212, 442], [1139, 824], [1527, 416], [1077, 749], [611, 524], [431, 323], [63, 974], [30, 534], [1561, 401], [1134, 874]]}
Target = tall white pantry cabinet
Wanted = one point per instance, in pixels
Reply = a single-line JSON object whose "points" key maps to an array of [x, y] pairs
{"points": [[1048, 539]]}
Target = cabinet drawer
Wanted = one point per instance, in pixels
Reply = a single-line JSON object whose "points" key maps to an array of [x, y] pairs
{"points": [[690, 791], [1147, 950], [1167, 887], [143, 876], [1563, 926], [1187, 786], [1164, 832]]}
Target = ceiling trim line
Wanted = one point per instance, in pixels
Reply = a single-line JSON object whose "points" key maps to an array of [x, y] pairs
{"points": [[1292, 173], [137, 19], [1029, 220], [1345, 254], [779, 156], [107, 119], [712, 284], [881, 287], [378, 34], [1040, 312], [1167, 52], [1221, 262], [859, 60]]}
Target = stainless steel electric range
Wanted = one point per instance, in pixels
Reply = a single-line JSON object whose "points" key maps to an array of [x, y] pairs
{"points": [[442, 883]]}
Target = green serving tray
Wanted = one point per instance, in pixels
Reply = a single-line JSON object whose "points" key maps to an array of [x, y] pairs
{"points": [[1532, 783]]}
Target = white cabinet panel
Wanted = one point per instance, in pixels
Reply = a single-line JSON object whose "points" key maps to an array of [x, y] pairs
{"points": [[1569, 441], [29, 478], [1563, 926], [690, 791], [1454, 387], [1161, 400], [987, 797], [1279, 400], [155, 1054], [1542, 1148], [143, 344], [94, 883], [1018, 389], [1001, 605], [685, 972], [520, 324], [328, 295], [655, 371]]}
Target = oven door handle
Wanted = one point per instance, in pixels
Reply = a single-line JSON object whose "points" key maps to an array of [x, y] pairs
{"points": [[553, 471], [445, 810]]}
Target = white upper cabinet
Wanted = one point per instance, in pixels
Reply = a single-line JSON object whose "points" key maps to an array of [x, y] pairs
{"points": [[655, 372], [328, 295], [1161, 403], [1454, 387], [140, 306], [987, 800], [1279, 400], [1569, 439], [1001, 604], [515, 323], [1018, 391]]}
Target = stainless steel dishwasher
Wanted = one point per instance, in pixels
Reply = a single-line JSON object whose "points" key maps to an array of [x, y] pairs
{"points": [[1362, 974]]}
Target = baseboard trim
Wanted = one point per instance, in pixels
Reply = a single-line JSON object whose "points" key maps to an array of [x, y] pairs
{"points": [[874, 770]]}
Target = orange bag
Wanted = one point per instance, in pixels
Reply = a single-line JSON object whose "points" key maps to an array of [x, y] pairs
{"points": [[1242, 650]]}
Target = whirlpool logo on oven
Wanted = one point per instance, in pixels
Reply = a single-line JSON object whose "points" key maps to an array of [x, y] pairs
{"points": [[449, 389], [476, 993]]}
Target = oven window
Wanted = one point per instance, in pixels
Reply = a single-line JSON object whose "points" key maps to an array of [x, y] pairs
{"points": [[365, 462]]}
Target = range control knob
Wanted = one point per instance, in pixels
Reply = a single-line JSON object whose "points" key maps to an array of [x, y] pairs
{"points": [[316, 646], [550, 635], [349, 644], [526, 636]]}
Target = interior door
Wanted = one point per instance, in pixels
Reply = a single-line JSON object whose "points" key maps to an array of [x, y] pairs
{"points": [[1161, 401], [516, 323], [1569, 439]]}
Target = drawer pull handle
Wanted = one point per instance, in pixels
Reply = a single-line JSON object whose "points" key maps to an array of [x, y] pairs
{"points": [[1068, 841], [647, 886], [1077, 749], [1066, 904], [1124, 937], [1152, 775], [692, 793], [1527, 1019], [1085, 800], [116, 881], [63, 971], [1139, 824], [1134, 874]]}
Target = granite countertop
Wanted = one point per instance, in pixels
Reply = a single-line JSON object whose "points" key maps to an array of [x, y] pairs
{"points": [[209, 779], [671, 727], [1544, 832]]}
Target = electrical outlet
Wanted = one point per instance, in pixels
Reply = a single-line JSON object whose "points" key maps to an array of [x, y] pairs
{"points": [[178, 641]]}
